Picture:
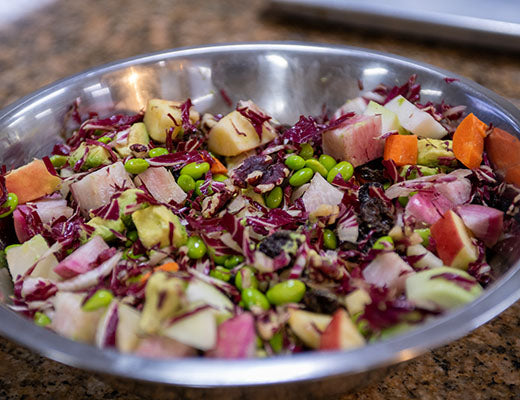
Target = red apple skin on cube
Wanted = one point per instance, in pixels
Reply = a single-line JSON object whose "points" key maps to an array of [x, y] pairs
{"points": [[453, 241], [357, 140], [341, 333], [31, 181]]}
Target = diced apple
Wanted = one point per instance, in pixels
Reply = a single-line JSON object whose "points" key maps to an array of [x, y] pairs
{"points": [[236, 338], [158, 122], [453, 241], [356, 301], [163, 347], [389, 120], [358, 140], [428, 207], [197, 328], [31, 181], [320, 192], [437, 289], [415, 120], [308, 326], [387, 270], [486, 223], [201, 292], [161, 185], [428, 259], [341, 333], [96, 189], [235, 133], [21, 258], [71, 321]]}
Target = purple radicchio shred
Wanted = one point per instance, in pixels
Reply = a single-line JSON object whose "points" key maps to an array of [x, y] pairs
{"points": [[225, 97], [255, 117], [49, 166], [251, 170], [109, 211], [464, 283], [111, 328], [238, 233], [185, 115], [305, 130], [384, 311], [411, 91], [176, 160]]}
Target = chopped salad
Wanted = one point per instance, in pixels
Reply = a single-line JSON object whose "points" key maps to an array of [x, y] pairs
{"points": [[168, 233]]}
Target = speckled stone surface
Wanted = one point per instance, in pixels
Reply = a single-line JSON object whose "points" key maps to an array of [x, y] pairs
{"points": [[70, 36]]}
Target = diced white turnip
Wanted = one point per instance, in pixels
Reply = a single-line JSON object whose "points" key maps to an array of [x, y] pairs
{"points": [[20, 224], [356, 105], [457, 191], [71, 321], [357, 140], [21, 258], [163, 347], [320, 192], [196, 328], [96, 189], [91, 277], [202, 292], [486, 223], [415, 120], [236, 338], [127, 329], [79, 261], [107, 326], [348, 228], [387, 270], [427, 260], [161, 185], [428, 207], [49, 210]]}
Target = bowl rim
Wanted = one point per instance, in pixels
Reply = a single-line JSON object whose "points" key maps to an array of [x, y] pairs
{"points": [[209, 373]]}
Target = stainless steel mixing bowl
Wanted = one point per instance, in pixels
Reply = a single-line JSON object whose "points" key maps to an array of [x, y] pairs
{"points": [[286, 79]]}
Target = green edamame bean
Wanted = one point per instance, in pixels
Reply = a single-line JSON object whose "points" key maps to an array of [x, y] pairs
{"points": [[196, 247], [157, 151], [186, 182], [105, 139], [220, 273], [306, 151], [41, 319], [344, 168], [327, 161], [245, 278], [276, 342], [196, 171], [58, 161], [254, 298], [329, 239], [129, 255], [233, 261], [301, 177], [290, 291], [425, 234], [136, 165], [295, 162], [316, 166], [274, 198], [219, 177], [220, 260], [101, 298], [384, 243], [11, 202]]}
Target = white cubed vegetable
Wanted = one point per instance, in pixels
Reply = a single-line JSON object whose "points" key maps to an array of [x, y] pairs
{"points": [[161, 185], [197, 329], [320, 192], [415, 120]]}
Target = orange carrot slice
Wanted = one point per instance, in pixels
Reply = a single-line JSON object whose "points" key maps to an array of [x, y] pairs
{"points": [[402, 149], [468, 141], [503, 149], [216, 167], [167, 267]]}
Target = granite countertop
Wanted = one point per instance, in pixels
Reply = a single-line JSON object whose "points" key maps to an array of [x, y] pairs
{"points": [[68, 36]]}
